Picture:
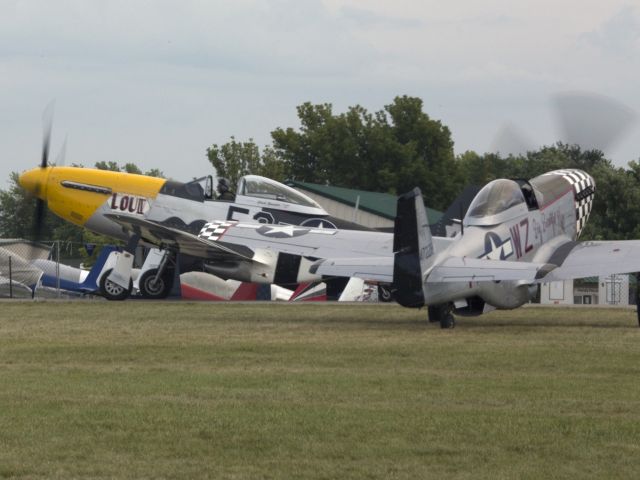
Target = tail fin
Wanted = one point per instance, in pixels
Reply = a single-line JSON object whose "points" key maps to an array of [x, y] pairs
{"points": [[413, 249], [91, 282], [246, 291], [310, 292]]}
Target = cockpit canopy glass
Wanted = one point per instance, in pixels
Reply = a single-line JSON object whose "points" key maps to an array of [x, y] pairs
{"points": [[495, 198], [261, 187]]}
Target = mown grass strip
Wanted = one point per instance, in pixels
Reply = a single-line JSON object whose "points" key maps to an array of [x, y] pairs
{"points": [[181, 390]]}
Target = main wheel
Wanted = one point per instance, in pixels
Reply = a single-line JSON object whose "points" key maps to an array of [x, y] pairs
{"points": [[113, 291], [435, 313], [385, 294], [447, 321], [155, 289]]}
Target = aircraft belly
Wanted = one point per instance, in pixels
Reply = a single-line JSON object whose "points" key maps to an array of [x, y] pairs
{"points": [[506, 295], [98, 223], [437, 293], [502, 295]]}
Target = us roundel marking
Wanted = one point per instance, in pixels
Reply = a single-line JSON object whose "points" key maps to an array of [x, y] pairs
{"points": [[495, 248], [282, 231], [318, 223]]}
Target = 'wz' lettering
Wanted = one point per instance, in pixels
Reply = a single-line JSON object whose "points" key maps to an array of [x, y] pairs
{"points": [[518, 240]]}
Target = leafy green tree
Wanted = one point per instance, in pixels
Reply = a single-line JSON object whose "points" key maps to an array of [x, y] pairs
{"points": [[17, 212], [475, 169], [271, 166], [154, 172], [393, 150], [132, 168], [234, 159], [112, 166], [128, 168], [303, 152]]}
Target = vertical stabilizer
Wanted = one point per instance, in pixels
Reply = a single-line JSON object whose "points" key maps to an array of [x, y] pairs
{"points": [[91, 283], [413, 249]]}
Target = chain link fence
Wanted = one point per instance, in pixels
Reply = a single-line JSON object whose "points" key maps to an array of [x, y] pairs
{"points": [[39, 269], [46, 269]]}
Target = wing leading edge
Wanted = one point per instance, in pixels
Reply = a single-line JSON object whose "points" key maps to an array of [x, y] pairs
{"points": [[591, 259], [186, 242]]}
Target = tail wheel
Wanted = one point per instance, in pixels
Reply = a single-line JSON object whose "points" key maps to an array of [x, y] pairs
{"points": [[385, 294], [442, 314], [448, 321], [153, 289], [113, 291]]}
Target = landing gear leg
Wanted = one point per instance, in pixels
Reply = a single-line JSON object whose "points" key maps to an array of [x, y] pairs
{"points": [[385, 294], [156, 283], [442, 314], [638, 296]]}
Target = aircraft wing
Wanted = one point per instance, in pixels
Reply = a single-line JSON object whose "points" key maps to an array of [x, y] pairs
{"points": [[312, 242], [591, 259], [184, 241]]}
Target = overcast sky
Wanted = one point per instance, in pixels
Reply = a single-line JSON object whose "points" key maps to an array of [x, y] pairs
{"points": [[156, 82]]}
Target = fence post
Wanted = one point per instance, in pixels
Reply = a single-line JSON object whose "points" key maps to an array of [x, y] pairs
{"points": [[58, 267], [10, 279]]}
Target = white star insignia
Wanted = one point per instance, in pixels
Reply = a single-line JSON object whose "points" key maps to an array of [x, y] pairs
{"points": [[286, 229]]}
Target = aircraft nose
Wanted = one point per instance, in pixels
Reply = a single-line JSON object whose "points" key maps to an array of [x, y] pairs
{"points": [[34, 181]]}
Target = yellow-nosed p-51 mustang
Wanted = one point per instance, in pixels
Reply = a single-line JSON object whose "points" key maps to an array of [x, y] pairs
{"points": [[125, 206]]}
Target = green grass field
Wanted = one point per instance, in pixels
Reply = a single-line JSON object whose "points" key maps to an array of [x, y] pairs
{"points": [[184, 390]]}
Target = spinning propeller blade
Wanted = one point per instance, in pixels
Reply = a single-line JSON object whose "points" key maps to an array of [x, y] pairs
{"points": [[588, 120], [47, 124], [592, 121]]}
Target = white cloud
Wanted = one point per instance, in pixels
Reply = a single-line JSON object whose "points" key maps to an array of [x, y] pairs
{"points": [[156, 82], [618, 35]]}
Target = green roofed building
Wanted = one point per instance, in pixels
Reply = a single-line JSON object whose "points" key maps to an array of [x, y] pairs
{"points": [[370, 209]]}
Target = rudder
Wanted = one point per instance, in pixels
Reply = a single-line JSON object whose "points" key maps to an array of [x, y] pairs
{"points": [[413, 249]]}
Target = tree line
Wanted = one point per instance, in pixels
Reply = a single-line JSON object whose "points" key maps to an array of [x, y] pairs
{"points": [[392, 150], [400, 147]]}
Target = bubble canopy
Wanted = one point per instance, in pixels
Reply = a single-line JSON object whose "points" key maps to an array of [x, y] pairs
{"points": [[495, 198], [265, 188]]}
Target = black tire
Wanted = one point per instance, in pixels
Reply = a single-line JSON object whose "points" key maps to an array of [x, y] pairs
{"points": [[385, 294], [112, 291], [448, 321], [435, 314], [155, 290]]}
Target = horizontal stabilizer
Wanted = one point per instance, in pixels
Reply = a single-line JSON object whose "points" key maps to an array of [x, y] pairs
{"points": [[370, 268], [462, 269]]}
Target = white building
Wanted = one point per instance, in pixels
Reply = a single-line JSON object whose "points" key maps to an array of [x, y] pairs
{"points": [[611, 290]]}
